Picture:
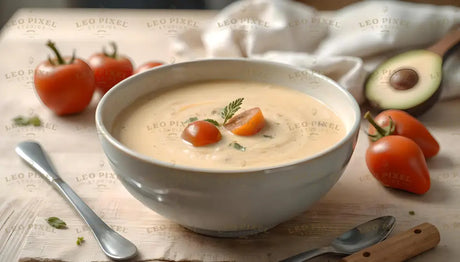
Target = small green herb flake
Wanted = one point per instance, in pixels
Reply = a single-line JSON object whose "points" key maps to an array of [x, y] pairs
{"points": [[25, 121], [237, 146], [231, 109], [268, 136], [192, 119], [212, 121], [56, 222], [20, 121], [411, 212], [80, 240], [35, 121]]}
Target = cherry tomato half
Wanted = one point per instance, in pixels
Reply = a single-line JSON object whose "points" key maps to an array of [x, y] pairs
{"points": [[201, 133], [246, 123]]}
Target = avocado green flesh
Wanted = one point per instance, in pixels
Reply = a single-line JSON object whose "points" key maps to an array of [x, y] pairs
{"points": [[428, 66]]}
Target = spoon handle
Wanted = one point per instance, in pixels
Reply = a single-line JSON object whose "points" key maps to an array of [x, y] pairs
{"points": [[308, 254], [399, 247], [113, 244]]}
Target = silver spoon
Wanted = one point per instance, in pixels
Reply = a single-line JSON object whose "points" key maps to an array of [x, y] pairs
{"points": [[358, 238], [113, 244]]}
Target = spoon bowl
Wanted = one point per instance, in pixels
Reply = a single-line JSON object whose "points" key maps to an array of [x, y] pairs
{"points": [[112, 244], [355, 239]]}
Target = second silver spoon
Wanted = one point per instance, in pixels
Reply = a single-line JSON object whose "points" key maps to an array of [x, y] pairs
{"points": [[358, 238]]}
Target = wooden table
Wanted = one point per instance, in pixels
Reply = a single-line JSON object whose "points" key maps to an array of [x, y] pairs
{"points": [[73, 145]]}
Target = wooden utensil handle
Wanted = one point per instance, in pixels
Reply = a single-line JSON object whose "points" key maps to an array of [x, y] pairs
{"points": [[447, 42], [399, 247]]}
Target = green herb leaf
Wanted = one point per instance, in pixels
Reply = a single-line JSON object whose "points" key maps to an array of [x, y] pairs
{"points": [[20, 121], [212, 121], [56, 222], [191, 119], [80, 240], [35, 121], [231, 109], [411, 212], [268, 136], [237, 146], [25, 121]]}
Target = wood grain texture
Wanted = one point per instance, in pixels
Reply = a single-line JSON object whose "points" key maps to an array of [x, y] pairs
{"points": [[400, 247]]}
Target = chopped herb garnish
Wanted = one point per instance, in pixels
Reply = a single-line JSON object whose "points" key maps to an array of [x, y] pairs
{"points": [[192, 119], [411, 212], [237, 146], [268, 136], [56, 222], [212, 121], [21, 121], [231, 109], [25, 121], [35, 121], [80, 240]]}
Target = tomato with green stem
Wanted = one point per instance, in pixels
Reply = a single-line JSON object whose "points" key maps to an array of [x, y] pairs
{"points": [[64, 84], [398, 162], [398, 122], [109, 69], [201, 133]]}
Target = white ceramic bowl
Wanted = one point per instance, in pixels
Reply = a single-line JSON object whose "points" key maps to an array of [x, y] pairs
{"points": [[228, 203]]}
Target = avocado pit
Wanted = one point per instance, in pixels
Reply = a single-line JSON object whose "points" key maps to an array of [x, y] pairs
{"points": [[404, 79]]}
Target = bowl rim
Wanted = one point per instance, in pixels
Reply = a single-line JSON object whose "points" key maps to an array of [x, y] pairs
{"points": [[102, 130]]}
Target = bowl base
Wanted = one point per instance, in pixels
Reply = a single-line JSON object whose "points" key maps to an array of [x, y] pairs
{"points": [[228, 234]]}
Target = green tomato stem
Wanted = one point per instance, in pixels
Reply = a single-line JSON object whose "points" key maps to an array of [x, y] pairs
{"points": [[59, 58], [73, 57], [114, 47], [381, 132]]}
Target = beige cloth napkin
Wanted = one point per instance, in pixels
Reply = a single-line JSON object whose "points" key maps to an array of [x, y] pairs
{"points": [[345, 45]]}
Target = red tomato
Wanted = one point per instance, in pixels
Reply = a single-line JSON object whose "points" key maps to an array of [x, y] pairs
{"points": [[404, 125], [398, 162], [246, 123], [109, 69], [201, 133], [64, 85], [147, 66]]}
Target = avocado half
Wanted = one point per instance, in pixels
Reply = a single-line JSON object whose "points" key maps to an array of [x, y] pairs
{"points": [[410, 81]]}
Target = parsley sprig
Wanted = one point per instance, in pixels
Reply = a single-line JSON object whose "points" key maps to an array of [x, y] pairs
{"points": [[227, 113], [212, 121], [231, 109]]}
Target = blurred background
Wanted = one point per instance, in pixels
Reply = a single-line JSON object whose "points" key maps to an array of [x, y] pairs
{"points": [[8, 7]]}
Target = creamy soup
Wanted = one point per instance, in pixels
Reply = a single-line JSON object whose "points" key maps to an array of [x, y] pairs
{"points": [[297, 125]]}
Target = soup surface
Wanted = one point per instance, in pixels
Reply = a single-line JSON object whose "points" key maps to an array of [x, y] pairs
{"points": [[297, 125]]}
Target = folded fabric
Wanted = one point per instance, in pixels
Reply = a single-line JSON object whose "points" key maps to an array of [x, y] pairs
{"points": [[345, 45]]}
